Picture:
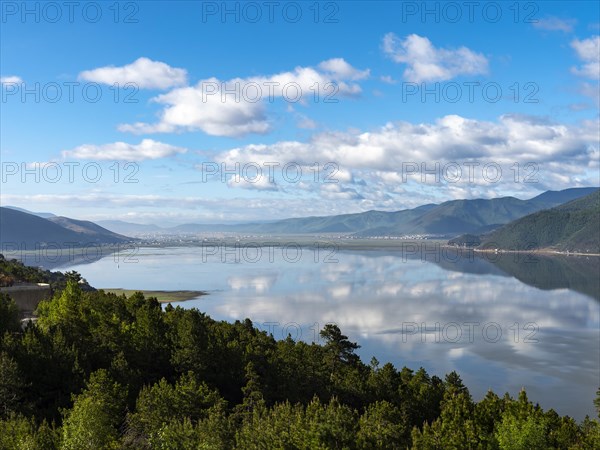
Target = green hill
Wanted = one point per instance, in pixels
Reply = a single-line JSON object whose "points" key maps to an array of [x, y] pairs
{"points": [[87, 228], [29, 231], [574, 227]]}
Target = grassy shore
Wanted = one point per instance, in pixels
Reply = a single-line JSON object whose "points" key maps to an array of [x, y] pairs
{"points": [[161, 296]]}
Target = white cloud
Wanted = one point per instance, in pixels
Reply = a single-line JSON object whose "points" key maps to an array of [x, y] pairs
{"points": [[143, 72], [373, 165], [428, 63], [555, 24], [388, 79], [306, 123], [340, 69], [255, 181], [336, 192], [10, 79], [122, 151], [592, 91], [236, 107], [588, 50], [191, 109], [186, 208], [450, 137]]}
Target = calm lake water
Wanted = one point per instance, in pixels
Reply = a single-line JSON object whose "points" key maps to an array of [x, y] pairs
{"points": [[515, 322]]}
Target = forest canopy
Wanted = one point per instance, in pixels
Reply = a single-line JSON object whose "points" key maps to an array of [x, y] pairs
{"points": [[101, 371]]}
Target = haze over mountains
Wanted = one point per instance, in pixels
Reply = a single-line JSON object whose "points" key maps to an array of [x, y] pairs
{"points": [[447, 219]]}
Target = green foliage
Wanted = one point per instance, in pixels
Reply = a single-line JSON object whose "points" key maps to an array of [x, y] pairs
{"points": [[331, 426], [383, 426], [163, 403], [13, 271], [337, 345], [590, 434], [96, 416], [488, 413], [515, 434], [20, 433], [286, 426], [456, 427], [108, 372], [19, 272], [9, 316], [11, 385]]}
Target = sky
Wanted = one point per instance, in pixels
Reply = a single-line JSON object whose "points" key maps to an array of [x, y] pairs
{"points": [[222, 112]]}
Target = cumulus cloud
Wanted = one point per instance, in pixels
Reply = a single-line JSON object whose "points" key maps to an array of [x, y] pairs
{"points": [[122, 151], [372, 166], [332, 191], [340, 69], [143, 72], [193, 108], [588, 50], [428, 63], [236, 107], [10, 79], [555, 24], [450, 137]]}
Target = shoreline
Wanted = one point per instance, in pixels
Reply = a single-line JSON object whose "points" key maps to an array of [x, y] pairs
{"points": [[540, 251], [160, 295]]}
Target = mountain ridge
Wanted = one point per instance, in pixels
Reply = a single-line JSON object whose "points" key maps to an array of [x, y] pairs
{"points": [[573, 226], [20, 228]]}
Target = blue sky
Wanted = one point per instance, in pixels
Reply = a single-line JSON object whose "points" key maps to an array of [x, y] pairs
{"points": [[490, 104]]}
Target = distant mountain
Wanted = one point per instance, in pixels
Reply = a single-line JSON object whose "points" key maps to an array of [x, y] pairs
{"points": [[447, 219], [480, 215], [17, 228], [345, 223], [469, 216], [553, 198], [573, 226], [128, 228], [44, 215], [88, 228]]}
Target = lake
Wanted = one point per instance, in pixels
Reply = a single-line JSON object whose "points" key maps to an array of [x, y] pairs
{"points": [[503, 322]]}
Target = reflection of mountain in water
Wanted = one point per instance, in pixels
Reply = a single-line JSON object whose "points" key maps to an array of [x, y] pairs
{"points": [[579, 273], [55, 259]]}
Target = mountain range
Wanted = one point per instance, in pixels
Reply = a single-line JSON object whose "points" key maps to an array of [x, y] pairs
{"points": [[448, 219]]}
